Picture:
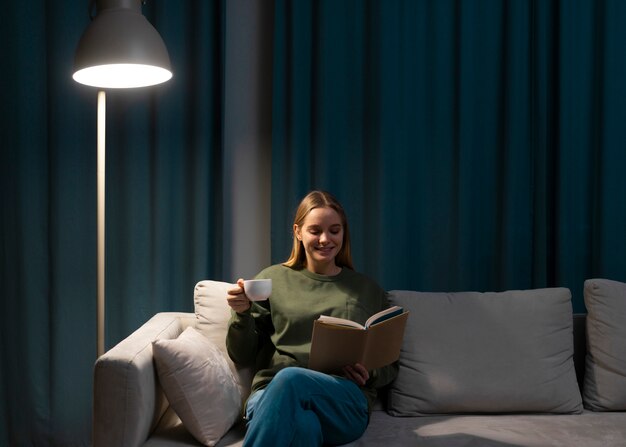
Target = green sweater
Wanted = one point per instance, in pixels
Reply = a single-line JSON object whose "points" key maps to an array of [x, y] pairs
{"points": [[275, 334]]}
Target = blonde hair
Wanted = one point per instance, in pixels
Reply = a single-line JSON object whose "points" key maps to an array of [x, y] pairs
{"points": [[319, 199]]}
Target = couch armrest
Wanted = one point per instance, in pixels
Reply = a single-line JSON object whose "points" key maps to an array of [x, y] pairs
{"points": [[128, 401]]}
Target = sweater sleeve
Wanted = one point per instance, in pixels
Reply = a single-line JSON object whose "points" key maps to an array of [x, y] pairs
{"points": [[248, 332], [382, 377]]}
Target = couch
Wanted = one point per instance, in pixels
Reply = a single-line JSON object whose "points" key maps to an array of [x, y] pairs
{"points": [[514, 368]]}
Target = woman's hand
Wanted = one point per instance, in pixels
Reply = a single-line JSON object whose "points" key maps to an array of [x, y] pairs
{"points": [[357, 373], [237, 299]]}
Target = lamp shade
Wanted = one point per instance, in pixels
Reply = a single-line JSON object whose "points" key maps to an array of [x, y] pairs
{"points": [[121, 49]]}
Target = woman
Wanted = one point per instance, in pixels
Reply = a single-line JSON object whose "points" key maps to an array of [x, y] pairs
{"points": [[289, 404]]}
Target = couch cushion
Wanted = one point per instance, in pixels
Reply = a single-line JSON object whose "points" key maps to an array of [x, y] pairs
{"points": [[605, 374], [588, 429], [472, 352], [198, 384], [213, 313], [171, 432]]}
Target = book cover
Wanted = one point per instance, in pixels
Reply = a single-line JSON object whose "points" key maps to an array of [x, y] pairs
{"points": [[337, 342]]}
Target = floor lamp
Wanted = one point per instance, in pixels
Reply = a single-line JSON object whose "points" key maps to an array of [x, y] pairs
{"points": [[119, 49]]}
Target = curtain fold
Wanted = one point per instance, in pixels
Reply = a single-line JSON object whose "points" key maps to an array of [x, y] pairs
{"points": [[164, 200], [474, 144]]}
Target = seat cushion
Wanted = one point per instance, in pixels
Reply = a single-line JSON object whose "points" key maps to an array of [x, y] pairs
{"points": [[588, 429], [171, 432]]}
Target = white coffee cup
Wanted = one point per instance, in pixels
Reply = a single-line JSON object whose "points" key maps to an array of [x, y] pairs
{"points": [[258, 289]]}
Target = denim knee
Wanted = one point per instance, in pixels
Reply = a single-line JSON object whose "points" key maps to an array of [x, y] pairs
{"points": [[289, 373], [287, 377]]}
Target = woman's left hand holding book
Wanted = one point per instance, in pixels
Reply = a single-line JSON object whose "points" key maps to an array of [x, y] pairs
{"points": [[357, 373]]}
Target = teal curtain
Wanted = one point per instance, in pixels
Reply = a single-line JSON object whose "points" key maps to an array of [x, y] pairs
{"points": [[164, 198], [476, 144]]}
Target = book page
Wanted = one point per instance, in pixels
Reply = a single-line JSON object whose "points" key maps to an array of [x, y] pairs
{"points": [[383, 315], [340, 321]]}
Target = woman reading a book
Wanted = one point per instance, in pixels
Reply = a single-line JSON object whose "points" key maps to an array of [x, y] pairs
{"points": [[290, 404]]}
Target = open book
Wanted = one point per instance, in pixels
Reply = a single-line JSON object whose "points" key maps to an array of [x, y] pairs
{"points": [[337, 342]]}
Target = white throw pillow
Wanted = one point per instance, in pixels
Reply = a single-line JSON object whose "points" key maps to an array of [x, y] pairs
{"points": [[198, 384]]}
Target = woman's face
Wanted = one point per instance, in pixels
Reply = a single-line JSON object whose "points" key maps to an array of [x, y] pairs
{"points": [[321, 234]]}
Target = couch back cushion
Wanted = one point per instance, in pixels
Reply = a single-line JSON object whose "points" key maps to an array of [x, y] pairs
{"points": [[605, 377], [212, 316], [471, 352]]}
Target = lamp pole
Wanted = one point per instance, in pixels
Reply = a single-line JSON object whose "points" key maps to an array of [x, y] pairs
{"points": [[101, 176]]}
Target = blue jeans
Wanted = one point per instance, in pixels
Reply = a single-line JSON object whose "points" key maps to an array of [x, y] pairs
{"points": [[303, 408]]}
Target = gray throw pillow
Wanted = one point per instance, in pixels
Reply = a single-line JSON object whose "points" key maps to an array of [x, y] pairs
{"points": [[605, 365], [471, 352]]}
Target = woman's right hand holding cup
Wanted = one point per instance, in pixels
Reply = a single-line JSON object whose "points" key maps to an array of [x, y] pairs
{"points": [[237, 298]]}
